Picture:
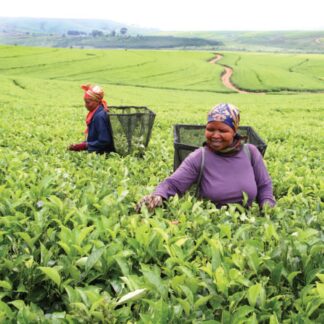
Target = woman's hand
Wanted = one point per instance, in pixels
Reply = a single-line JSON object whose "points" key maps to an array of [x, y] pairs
{"points": [[78, 147], [150, 201]]}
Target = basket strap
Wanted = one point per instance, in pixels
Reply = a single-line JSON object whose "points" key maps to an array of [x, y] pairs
{"points": [[202, 165], [247, 152]]}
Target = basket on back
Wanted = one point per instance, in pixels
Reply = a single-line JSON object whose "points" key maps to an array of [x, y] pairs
{"points": [[188, 138], [131, 128]]}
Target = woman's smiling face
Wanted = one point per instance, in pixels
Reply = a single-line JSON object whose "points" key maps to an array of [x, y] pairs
{"points": [[219, 135]]}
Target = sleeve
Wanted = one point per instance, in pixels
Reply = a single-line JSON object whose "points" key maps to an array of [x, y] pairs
{"points": [[181, 180], [262, 179], [102, 131]]}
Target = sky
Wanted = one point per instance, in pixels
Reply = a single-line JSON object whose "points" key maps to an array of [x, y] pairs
{"points": [[180, 15]]}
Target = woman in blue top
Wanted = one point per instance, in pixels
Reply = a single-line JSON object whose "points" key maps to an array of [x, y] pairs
{"points": [[98, 133]]}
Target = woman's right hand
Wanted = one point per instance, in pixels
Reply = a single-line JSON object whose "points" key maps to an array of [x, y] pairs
{"points": [[150, 201], [78, 147]]}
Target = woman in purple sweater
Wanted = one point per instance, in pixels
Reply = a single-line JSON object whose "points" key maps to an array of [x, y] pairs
{"points": [[228, 170]]}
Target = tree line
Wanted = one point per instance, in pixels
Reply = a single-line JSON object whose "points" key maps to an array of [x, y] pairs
{"points": [[98, 33]]}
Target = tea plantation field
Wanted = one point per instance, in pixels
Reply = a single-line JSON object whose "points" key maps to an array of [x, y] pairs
{"points": [[280, 72], [72, 248]]}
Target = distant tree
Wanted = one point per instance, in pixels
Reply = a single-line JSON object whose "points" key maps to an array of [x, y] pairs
{"points": [[113, 33], [123, 30], [74, 32], [96, 33]]}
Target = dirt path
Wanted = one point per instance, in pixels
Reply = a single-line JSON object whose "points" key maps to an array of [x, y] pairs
{"points": [[226, 79], [215, 59], [226, 76]]}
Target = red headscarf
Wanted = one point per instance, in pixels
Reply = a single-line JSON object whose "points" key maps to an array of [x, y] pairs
{"points": [[95, 93]]}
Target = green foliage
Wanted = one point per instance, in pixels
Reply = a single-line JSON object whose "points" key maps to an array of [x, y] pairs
{"points": [[74, 250]]}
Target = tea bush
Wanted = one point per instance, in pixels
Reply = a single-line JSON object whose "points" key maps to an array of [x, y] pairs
{"points": [[74, 250]]}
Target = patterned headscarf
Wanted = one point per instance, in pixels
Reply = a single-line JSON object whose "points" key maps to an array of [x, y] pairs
{"points": [[94, 92], [225, 113]]}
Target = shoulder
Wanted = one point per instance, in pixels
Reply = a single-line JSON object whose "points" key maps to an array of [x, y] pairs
{"points": [[196, 154], [253, 149], [194, 158], [100, 114], [255, 153]]}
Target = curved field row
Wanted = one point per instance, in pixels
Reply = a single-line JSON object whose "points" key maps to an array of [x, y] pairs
{"points": [[157, 69], [255, 72], [276, 72]]}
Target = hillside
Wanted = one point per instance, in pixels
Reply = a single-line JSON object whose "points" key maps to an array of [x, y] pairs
{"points": [[85, 33], [107, 41], [110, 34], [294, 41]]}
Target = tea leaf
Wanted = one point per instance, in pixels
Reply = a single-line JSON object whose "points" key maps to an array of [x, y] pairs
{"points": [[52, 274], [320, 277], [5, 284], [256, 295], [132, 296], [201, 301], [93, 258], [320, 289]]}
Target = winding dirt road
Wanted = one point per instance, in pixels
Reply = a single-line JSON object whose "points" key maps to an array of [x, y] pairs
{"points": [[226, 75], [228, 71], [226, 79], [215, 59]]}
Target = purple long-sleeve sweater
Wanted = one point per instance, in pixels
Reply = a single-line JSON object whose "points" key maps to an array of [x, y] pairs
{"points": [[224, 179]]}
